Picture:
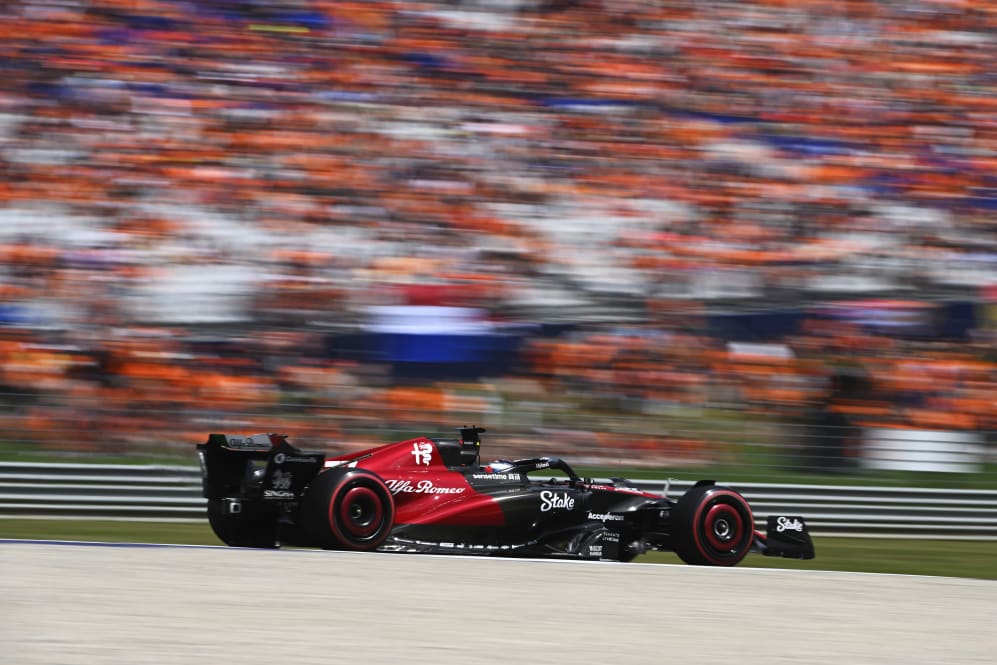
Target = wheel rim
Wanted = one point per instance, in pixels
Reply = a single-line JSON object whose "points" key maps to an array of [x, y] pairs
{"points": [[723, 526], [361, 512]]}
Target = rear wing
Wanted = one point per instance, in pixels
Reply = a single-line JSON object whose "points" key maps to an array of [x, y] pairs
{"points": [[261, 466], [254, 443]]}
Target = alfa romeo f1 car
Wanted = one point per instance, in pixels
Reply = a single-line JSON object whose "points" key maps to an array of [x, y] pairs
{"points": [[433, 495]]}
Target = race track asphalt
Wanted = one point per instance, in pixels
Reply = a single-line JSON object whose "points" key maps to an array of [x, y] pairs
{"points": [[63, 604]]}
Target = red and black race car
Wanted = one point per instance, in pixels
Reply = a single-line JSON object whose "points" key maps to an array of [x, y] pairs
{"points": [[433, 495]]}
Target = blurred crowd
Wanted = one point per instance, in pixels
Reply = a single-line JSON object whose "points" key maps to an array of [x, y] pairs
{"points": [[280, 166]]}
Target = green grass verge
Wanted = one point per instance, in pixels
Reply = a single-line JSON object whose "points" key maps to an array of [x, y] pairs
{"points": [[950, 558], [178, 533]]}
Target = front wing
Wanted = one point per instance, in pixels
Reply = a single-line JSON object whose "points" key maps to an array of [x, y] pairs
{"points": [[785, 536]]}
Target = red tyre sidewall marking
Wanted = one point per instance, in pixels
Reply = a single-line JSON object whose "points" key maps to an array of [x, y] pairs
{"points": [[388, 511], [721, 511], [361, 493], [699, 512], [337, 534]]}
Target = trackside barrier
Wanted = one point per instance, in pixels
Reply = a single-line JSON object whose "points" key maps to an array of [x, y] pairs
{"points": [[152, 493], [94, 491], [860, 511]]}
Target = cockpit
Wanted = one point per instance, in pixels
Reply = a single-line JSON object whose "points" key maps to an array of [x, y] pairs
{"points": [[464, 454]]}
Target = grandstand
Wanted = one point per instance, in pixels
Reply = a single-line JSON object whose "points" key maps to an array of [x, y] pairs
{"points": [[271, 173]]}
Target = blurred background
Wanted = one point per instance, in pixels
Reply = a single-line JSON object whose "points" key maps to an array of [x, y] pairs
{"points": [[752, 237]]}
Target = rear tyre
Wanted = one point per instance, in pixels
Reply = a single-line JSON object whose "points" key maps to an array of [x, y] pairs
{"points": [[712, 526], [350, 509], [249, 528]]}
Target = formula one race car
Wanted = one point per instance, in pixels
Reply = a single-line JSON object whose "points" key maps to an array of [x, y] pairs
{"points": [[433, 495]]}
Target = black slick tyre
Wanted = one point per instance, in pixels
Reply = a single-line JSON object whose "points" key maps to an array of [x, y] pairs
{"points": [[349, 509], [712, 525]]}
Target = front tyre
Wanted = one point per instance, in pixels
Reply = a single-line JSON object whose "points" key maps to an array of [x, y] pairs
{"points": [[712, 526], [350, 509]]}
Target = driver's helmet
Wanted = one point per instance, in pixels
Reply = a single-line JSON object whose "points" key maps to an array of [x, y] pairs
{"points": [[499, 466]]}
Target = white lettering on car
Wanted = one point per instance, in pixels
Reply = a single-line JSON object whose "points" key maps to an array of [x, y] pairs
{"points": [[605, 517], [398, 486], [787, 524], [553, 500]]}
